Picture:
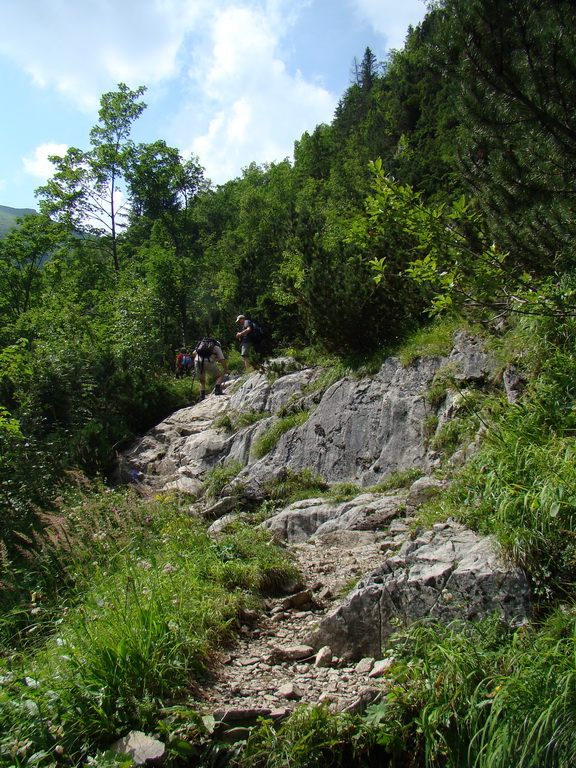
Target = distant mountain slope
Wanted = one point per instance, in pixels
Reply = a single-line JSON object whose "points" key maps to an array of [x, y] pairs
{"points": [[8, 217]]}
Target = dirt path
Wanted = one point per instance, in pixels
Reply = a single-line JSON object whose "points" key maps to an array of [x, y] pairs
{"points": [[270, 668]]}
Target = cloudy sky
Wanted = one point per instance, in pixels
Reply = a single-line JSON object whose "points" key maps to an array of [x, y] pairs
{"points": [[230, 81]]}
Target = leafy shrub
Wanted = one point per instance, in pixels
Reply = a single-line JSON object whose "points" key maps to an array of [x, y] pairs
{"points": [[219, 476], [295, 486]]}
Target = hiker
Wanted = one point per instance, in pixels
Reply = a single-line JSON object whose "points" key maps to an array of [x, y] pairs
{"points": [[248, 335], [208, 357], [183, 363]]}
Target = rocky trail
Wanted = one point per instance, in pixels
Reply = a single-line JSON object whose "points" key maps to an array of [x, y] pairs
{"points": [[270, 669], [322, 640]]}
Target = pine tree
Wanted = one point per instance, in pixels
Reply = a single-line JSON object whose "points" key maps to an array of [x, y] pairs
{"points": [[517, 63]]}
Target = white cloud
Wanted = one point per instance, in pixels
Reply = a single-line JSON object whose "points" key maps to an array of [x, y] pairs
{"points": [[38, 165], [85, 48], [255, 108], [391, 18], [219, 68]]}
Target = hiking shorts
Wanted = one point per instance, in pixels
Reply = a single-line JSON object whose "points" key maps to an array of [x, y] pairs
{"points": [[245, 348], [205, 366]]}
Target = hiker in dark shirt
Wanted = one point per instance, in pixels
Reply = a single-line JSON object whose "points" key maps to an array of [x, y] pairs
{"points": [[249, 334]]}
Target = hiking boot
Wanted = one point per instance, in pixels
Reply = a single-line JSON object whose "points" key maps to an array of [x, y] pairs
{"points": [[202, 395], [218, 389]]}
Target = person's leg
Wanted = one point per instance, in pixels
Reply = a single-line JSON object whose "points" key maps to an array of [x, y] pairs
{"points": [[246, 352], [218, 384], [202, 381], [201, 376]]}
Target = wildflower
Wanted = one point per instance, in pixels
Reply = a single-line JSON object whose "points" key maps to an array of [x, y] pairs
{"points": [[168, 568]]}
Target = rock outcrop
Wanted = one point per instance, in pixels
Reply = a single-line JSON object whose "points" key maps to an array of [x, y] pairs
{"points": [[314, 517], [357, 430], [445, 574]]}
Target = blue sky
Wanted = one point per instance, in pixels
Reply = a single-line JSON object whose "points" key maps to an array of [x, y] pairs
{"points": [[230, 81]]}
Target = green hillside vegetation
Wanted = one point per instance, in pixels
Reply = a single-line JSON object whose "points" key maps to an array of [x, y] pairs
{"points": [[441, 194], [8, 217]]}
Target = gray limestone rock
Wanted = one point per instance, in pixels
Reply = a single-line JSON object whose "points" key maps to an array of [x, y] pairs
{"points": [[291, 691], [142, 749], [446, 574], [323, 657], [358, 430], [315, 517]]}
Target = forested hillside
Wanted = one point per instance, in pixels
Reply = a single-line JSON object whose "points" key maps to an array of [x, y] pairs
{"points": [[8, 217], [443, 188]]}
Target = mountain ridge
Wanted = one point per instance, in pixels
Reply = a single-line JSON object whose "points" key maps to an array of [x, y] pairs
{"points": [[9, 215]]}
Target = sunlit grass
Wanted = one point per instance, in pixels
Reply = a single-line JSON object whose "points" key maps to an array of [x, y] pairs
{"points": [[148, 608]]}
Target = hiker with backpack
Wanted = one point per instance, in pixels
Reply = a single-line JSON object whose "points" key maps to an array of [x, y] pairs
{"points": [[249, 335], [183, 363], [208, 356]]}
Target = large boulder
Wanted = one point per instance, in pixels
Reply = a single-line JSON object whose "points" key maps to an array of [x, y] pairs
{"points": [[445, 574], [315, 517]]}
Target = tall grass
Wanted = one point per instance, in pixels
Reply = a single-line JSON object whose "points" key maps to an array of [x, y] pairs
{"points": [[313, 736], [266, 442], [522, 488], [149, 603], [433, 340], [532, 718], [478, 696]]}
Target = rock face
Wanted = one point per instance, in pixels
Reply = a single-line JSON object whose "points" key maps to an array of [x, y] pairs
{"points": [[181, 449], [357, 430], [444, 574]]}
